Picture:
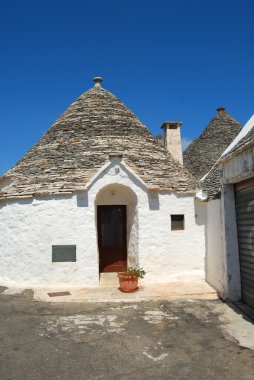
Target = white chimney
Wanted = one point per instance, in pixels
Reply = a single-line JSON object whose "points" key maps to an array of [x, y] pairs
{"points": [[172, 139]]}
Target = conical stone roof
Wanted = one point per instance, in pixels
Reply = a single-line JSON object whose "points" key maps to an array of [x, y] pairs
{"points": [[80, 142], [203, 152]]}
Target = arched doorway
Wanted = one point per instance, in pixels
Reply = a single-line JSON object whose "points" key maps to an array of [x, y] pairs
{"points": [[116, 208], [112, 238]]}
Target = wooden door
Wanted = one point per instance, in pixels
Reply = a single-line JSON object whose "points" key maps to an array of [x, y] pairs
{"points": [[112, 238]]}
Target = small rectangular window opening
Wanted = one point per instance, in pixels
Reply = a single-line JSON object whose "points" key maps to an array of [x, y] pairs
{"points": [[177, 222]]}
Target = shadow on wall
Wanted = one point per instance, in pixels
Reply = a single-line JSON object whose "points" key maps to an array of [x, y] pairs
{"points": [[24, 201], [215, 270], [82, 199], [153, 201], [200, 212], [35, 201], [201, 220], [132, 235]]}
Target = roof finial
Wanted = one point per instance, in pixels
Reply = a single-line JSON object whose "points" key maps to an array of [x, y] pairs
{"points": [[97, 81], [220, 109]]}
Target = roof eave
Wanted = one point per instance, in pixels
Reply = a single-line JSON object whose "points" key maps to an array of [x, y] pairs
{"points": [[238, 151]]}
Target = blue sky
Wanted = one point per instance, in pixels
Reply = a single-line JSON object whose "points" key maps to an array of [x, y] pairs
{"points": [[166, 60]]}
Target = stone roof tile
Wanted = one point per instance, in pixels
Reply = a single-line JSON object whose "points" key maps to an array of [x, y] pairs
{"points": [[203, 152], [211, 184], [80, 142]]}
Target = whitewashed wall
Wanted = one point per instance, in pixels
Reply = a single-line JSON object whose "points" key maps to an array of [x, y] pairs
{"points": [[222, 256], [29, 228], [237, 169], [230, 240], [240, 167], [215, 258]]}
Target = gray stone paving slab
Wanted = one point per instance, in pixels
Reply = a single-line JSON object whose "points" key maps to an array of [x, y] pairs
{"points": [[173, 339]]}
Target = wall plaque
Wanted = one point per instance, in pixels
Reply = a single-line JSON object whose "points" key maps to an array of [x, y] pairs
{"points": [[63, 253]]}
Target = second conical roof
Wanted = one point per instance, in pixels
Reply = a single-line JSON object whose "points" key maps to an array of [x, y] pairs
{"points": [[203, 152]]}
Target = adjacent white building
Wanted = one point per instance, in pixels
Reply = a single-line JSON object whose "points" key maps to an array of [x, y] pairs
{"points": [[201, 159], [228, 198], [237, 206]]}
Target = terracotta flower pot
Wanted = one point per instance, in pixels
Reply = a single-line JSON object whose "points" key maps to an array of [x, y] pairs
{"points": [[128, 284]]}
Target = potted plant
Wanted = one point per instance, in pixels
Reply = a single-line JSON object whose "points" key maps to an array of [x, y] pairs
{"points": [[128, 280]]}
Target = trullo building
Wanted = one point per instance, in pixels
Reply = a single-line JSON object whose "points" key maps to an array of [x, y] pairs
{"points": [[96, 192], [202, 159]]}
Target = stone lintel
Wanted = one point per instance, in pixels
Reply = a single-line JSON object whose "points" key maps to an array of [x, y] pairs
{"points": [[172, 124]]}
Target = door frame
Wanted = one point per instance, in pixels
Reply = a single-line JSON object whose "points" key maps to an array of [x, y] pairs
{"points": [[124, 231]]}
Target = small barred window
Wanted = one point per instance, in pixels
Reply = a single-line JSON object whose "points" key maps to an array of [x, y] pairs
{"points": [[177, 222]]}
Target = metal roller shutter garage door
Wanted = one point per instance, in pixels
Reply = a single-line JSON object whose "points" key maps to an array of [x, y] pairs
{"points": [[244, 200]]}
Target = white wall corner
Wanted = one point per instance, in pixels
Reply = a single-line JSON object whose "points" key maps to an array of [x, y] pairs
{"points": [[232, 276]]}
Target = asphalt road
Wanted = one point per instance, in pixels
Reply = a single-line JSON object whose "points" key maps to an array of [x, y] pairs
{"points": [[146, 340]]}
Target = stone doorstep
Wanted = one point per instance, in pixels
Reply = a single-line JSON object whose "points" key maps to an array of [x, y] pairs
{"points": [[108, 279], [111, 293]]}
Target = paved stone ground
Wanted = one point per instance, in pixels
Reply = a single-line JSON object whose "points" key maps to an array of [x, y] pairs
{"points": [[181, 339]]}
